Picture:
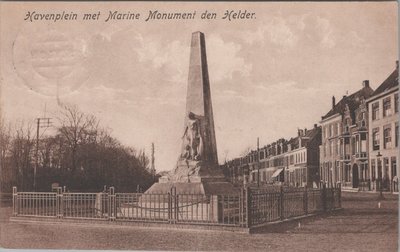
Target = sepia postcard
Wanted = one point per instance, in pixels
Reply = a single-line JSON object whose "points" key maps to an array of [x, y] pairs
{"points": [[211, 126]]}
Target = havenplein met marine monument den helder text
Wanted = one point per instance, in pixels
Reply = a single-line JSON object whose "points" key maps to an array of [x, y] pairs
{"points": [[151, 15]]}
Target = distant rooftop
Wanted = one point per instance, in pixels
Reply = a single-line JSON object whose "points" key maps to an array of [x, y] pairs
{"points": [[353, 101], [390, 82]]}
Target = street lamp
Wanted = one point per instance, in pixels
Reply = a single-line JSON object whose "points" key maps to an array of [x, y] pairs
{"points": [[380, 177]]}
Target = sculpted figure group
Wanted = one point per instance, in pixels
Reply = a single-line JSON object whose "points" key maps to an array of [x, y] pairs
{"points": [[192, 139]]}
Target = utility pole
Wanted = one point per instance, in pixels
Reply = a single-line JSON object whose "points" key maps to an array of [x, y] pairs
{"points": [[43, 122], [258, 161]]}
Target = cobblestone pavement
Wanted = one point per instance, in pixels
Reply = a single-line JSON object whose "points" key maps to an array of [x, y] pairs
{"points": [[361, 226]]}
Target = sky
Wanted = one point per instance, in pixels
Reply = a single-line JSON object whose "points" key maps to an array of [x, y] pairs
{"points": [[269, 75]]}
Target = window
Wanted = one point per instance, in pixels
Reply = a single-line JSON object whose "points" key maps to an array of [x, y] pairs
{"points": [[387, 138], [396, 102], [357, 143], [394, 167], [330, 130], [346, 125], [375, 111], [363, 145], [387, 107], [386, 168], [337, 147], [396, 132], [373, 169], [335, 130], [361, 119], [375, 139]]}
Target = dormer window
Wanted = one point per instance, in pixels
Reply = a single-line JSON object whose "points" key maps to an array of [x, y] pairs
{"points": [[346, 125]]}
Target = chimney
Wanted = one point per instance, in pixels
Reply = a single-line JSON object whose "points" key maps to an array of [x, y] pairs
{"points": [[333, 101], [365, 84], [315, 126], [305, 131], [397, 65]]}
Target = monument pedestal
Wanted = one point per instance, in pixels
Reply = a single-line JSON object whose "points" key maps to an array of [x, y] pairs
{"points": [[194, 177]]}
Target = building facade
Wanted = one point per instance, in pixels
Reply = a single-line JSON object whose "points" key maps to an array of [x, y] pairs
{"points": [[344, 151], [383, 107], [291, 162]]}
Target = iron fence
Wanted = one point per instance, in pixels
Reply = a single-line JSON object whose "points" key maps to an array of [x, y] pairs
{"points": [[290, 202], [247, 208]]}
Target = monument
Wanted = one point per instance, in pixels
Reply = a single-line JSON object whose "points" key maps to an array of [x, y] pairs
{"points": [[197, 170]]}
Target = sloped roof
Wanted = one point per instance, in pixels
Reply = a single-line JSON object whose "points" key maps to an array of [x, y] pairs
{"points": [[308, 136], [353, 101], [390, 82], [311, 133]]}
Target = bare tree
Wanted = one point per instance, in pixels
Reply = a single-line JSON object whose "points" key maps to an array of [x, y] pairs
{"points": [[246, 151], [77, 128], [22, 153], [5, 147]]}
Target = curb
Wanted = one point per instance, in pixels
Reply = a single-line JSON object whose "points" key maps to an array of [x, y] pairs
{"points": [[163, 225]]}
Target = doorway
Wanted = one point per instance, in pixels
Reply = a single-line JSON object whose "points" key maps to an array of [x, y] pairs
{"points": [[355, 176]]}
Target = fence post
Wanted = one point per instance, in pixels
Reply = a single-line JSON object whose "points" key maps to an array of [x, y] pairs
{"points": [[59, 203], [340, 194], [281, 201], [248, 206], [111, 204], [323, 197], [170, 206], [305, 201], [15, 201], [176, 204]]}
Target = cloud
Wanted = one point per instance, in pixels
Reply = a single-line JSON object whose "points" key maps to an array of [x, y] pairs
{"points": [[281, 34], [172, 56], [277, 31], [224, 60], [324, 30], [356, 40]]}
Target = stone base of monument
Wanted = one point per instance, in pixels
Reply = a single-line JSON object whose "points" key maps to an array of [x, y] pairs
{"points": [[191, 192], [184, 209], [194, 177]]}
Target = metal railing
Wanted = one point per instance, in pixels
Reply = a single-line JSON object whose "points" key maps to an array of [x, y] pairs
{"points": [[364, 186], [290, 202], [361, 155], [247, 208]]}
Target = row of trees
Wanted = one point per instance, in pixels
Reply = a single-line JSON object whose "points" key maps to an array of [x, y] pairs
{"points": [[79, 155]]}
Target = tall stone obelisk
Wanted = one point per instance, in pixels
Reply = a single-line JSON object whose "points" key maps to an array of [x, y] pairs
{"points": [[197, 169], [198, 100]]}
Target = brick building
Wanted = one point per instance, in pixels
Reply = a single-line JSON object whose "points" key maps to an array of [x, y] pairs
{"points": [[343, 152], [383, 107], [293, 162]]}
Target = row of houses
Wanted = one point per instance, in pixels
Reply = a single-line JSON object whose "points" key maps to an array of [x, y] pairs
{"points": [[355, 144]]}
